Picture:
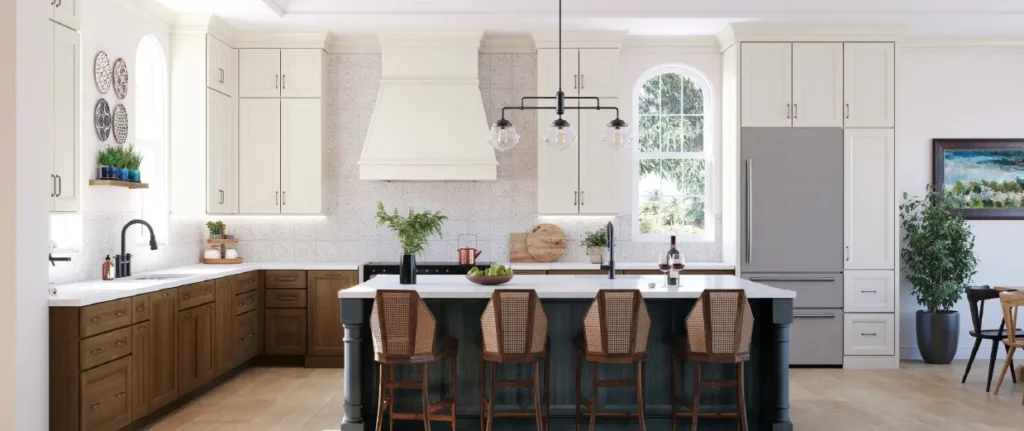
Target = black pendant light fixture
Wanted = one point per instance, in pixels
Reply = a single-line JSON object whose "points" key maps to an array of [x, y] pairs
{"points": [[560, 135]]}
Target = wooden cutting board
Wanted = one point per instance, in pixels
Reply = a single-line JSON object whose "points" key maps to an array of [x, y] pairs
{"points": [[517, 252], [546, 243]]}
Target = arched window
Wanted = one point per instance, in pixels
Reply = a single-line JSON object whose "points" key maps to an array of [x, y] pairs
{"points": [[672, 163], [150, 124]]}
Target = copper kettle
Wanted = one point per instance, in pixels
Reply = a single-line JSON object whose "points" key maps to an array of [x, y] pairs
{"points": [[468, 255]]}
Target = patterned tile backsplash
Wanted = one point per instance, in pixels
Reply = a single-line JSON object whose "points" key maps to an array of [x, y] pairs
{"points": [[348, 230]]}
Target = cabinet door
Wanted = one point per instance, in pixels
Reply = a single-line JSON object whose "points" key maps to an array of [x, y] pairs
{"points": [[869, 291], [767, 79], [558, 177], [246, 336], [225, 320], [301, 72], [259, 73], [106, 402], [301, 156], [66, 12], [548, 79], [870, 77], [142, 374], [325, 330], [599, 73], [195, 346], [219, 66], [66, 145], [600, 171], [285, 331], [817, 85], [222, 155], [163, 330], [869, 194], [259, 156]]}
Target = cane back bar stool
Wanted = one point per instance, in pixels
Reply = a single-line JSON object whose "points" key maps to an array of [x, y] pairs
{"points": [[718, 330], [515, 330], [1011, 302], [403, 332], [615, 331]]}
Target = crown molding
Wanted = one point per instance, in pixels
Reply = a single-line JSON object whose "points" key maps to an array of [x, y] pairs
{"points": [[204, 23], [661, 43], [150, 10], [353, 44], [962, 42], [580, 39], [809, 32], [281, 40], [507, 44]]}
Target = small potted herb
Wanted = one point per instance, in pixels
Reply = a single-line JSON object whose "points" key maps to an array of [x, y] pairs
{"points": [[595, 242], [412, 231], [107, 162], [216, 229], [132, 163]]}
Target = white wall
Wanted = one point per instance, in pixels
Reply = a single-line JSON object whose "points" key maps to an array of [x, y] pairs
{"points": [[959, 92]]}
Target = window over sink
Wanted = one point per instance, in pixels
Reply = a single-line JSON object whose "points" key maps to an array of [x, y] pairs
{"points": [[151, 108], [673, 156]]}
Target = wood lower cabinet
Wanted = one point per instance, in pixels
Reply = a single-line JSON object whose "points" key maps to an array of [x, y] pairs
{"points": [[195, 347], [223, 343], [246, 336], [285, 331], [142, 366], [325, 331], [106, 396], [163, 332]]}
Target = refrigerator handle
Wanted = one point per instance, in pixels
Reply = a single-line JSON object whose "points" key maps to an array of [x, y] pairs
{"points": [[749, 167]]}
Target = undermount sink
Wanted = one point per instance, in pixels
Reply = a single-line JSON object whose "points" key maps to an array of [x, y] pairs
{"points": [[161, 276]]}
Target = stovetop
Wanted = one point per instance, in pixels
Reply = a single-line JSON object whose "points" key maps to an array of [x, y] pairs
{"points": [[418, 263], [370, 269]]}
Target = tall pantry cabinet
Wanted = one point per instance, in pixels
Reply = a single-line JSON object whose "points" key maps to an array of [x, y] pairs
{"points": [[65, 149], [837, 100]]}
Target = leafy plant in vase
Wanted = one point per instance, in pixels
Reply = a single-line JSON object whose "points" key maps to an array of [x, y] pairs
{"points": [[216, 229], [132, 162], [938, 260], [412, 231], [595, 242], [107, 159]]}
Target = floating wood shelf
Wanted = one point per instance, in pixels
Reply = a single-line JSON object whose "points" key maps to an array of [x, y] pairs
{"points": [[222, 241], [222, 261], [116, 183]]}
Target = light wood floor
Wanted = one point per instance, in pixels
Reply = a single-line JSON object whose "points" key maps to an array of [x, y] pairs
{"points": [[916, 397]]}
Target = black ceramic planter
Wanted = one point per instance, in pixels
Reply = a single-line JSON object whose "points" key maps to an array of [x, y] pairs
{"points": [[937, 336], [407, 271]]}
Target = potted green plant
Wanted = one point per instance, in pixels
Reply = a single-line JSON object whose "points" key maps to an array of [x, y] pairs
{"points": [[106, 161], [216, 229], [132, 162], [412, 231], [938, 260], [595, 242]]}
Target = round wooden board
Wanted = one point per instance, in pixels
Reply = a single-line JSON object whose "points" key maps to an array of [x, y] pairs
{"points": [[546, 242]]}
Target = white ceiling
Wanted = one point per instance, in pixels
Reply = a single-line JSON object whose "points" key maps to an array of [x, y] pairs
{"points": [[666, 17]]}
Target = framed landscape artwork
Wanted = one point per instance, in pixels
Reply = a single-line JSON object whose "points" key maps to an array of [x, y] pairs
{"points": [[983, 178]]}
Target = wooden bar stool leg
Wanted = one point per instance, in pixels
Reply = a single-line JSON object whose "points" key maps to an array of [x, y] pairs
{"points": [[391, 397], [741, 399], [426, 399], [547, 392], [483, 397], [490, 400], [672, 395], [380, 395], [453, 365], [640, 402], [593, 395], [579, 389], [537, 412], [696, 394]]}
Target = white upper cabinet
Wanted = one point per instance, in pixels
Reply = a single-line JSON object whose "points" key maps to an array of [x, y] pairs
{"points": [[557, 171], [548, 78], [66, 12], [221, 66], [259, 73], [869, 198], [767, 77], [259, 155], [66, 146], [817, 85], [301, 72], [301, 156], [600, 179], [222, 154], [870, 75], [599, 73]]}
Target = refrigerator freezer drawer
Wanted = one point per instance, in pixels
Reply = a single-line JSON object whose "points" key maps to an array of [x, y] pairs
{"points": [[812, 290], [816, 337]]}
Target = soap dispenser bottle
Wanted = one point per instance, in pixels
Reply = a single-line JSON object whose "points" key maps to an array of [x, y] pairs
{"points": [[108, 269]]}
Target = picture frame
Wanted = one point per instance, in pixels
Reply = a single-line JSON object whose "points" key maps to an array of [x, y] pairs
{"points": [[983, 177]]}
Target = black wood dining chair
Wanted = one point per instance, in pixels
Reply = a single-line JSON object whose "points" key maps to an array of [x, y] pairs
{"points": [[976, 297]]}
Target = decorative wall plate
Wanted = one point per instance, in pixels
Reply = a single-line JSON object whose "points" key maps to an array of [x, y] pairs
{"points": [[101, 71], [120, 124], [120, 78], [101, 119]]}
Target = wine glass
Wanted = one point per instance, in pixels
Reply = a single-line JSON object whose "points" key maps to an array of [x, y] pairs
{"points": [[678, 262], [663, 264]]}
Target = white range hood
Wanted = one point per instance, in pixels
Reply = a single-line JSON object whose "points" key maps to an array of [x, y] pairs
{"points": [[429, 122]]}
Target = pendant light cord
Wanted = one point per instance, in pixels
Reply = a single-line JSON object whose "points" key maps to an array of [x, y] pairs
{"points": [[559, 45]]}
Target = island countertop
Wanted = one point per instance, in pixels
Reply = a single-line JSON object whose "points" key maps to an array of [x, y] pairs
{"points": [[567, 286]]}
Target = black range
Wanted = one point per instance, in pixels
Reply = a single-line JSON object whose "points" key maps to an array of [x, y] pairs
{"points": [[370, 269]]}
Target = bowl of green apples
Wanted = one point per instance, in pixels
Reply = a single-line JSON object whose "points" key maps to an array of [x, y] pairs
{"points": [[493, 276]]}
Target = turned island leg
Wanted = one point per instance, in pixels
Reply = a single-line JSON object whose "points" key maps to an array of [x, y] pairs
{"points": [[782, 318], [352, 317]]}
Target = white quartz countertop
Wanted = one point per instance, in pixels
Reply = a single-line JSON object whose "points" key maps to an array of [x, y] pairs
{"points": [[566, 287], [96, 291], [626, 266]]}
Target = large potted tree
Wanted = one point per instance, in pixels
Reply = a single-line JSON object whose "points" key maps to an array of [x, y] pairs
{"points": [[938, 260], [412, 231]]}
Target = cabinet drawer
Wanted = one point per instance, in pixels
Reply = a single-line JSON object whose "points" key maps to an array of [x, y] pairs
{"points": [[812, 290], [140, 308], [869, 291], [816, 337], [106, 316], [196, 294], [106, 396], [285, 298], [103, 348], [246, 282], [245, 302], [285, 279], [870, 334], [246, 342]]}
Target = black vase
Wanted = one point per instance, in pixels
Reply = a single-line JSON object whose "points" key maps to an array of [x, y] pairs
{"points": [[937, 336], [407, 271]]}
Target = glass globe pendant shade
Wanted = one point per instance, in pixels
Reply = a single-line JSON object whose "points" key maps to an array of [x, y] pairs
{"points": [[560, 135], [617, 136], [503, 136]]}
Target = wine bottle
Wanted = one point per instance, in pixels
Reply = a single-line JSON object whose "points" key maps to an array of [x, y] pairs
{"points": [[675, 263]]}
